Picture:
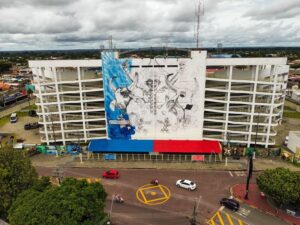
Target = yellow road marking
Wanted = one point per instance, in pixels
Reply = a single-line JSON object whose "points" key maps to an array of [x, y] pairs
{"points": [[212, 218], [229, 219], [157, 199], [162, 190], [240, 222], [146, 188], [144, 197], [220, 218], [212, 222], [140, 195]]}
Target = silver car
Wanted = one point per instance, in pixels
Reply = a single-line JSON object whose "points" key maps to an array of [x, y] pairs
{"points": [[186, 184]]}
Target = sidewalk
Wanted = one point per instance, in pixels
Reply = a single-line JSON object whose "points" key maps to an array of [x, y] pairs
{"points": [[259, 164], [16, 107], [256, 201]]}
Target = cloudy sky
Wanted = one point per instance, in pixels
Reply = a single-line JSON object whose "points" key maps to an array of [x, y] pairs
{"points": [[73, 24]]}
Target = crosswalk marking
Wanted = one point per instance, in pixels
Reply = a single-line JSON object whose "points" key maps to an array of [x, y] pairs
{"points": [[229, 219], [240, 173], [244, 212], [223, 218], [220, 218]]}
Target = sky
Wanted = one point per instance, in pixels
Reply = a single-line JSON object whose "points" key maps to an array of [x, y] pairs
{"points": [[81, 24]]}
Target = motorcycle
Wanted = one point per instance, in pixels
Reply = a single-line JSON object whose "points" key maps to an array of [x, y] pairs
{"points": [[154, 182], [118, 198]]}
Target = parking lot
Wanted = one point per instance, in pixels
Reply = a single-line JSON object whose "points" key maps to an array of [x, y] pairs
{"points": [[29, 136]]}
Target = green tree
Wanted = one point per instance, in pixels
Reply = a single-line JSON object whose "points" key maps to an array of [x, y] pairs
{"points": [[5, 66], [281, 185], [16, 175], [29, 94], [73, 202]]}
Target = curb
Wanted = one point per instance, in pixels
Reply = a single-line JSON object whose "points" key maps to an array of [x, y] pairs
{"points": [[255, 207]]}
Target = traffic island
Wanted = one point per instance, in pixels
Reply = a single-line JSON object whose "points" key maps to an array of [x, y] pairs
{"points": [[256, 199]]}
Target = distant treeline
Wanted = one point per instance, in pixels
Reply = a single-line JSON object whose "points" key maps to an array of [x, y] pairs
{"points": [[22, 57]]}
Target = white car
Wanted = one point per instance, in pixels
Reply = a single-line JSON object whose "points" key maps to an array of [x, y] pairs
{"points": [[186, 184]]}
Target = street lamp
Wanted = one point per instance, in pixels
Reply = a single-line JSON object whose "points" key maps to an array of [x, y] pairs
{"points": [[250, 156]]}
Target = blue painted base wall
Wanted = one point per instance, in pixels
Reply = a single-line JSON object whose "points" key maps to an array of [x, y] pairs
{"points": [[121, 145]]}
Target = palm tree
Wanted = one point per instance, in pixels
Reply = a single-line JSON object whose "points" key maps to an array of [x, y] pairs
{"points": [[29, 94]]}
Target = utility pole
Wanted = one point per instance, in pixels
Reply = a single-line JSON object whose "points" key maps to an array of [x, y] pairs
{"points": [[193, 220]]}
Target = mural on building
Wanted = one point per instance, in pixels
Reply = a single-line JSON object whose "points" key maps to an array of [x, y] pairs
{"points": [[152, 102]]}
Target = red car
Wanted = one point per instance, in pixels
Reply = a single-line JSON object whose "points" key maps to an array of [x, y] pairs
{"points": [[112, 174]]}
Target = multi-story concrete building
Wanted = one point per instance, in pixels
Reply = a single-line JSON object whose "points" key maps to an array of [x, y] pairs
{"points": [[198, 98]]}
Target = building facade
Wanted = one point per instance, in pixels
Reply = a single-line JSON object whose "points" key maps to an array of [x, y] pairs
{"points": [[236, 100]]}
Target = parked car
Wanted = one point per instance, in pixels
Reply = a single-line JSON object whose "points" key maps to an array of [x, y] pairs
{"points": [[230, 203], [186, 184], [32, 113], [29, 126], [112, 174], [13, 118]]}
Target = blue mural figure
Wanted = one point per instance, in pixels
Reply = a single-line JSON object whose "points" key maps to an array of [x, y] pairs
{"points": [[117, 90]]}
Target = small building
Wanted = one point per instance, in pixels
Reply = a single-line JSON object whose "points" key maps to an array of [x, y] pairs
{"points": [[296, 95], [294, 141]]}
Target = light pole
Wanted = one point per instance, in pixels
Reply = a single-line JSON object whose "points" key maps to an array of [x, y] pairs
{"points": [[111, 206], [250, 157]]}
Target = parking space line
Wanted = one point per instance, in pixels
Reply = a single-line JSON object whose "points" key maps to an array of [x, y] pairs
{"points": [[220, 218], [230, 173], [229, 218]]}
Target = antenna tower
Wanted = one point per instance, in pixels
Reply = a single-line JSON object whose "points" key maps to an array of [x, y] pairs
{"points": [[199, 11], [110, 43]]}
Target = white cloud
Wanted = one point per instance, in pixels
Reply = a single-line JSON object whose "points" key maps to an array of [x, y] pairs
{"points": [[64, 24]]}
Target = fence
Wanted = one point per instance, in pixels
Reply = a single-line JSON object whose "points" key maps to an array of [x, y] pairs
{"points": [[125, 157]]}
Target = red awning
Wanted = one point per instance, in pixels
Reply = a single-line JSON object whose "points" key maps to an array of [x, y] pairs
{"points": [[185, 146]]}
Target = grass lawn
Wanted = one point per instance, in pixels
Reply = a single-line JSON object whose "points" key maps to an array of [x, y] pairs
{"points": [[31, 107], [295, 115], [4, 120]]}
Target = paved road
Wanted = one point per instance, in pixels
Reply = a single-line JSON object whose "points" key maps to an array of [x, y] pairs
{"points": [[6, 111], [211, 187]]}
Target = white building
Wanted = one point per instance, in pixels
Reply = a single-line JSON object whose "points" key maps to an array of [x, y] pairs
{"points": [[294, 141], [238, 99]]}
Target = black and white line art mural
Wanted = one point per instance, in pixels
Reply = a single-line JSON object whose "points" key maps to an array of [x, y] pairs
{"points": [[154, 101]]}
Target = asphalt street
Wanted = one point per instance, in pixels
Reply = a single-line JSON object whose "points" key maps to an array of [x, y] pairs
{"points": [[175, 208], [254, 217]]}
